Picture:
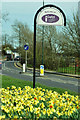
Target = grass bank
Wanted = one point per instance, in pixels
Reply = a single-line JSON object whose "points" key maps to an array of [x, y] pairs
{"points": [[9, 81]]}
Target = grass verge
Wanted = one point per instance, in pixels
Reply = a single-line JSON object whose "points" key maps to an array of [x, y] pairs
{"points": [[8, 81]]}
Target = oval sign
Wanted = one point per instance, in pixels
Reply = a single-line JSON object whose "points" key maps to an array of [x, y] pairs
{"points": [[50, 18]]}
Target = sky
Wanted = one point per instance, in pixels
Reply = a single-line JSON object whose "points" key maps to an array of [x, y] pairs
{"points": [[39, 0], [25, 11]]}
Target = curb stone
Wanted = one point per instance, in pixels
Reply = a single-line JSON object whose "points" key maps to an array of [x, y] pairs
{"points": [[51, 72]]}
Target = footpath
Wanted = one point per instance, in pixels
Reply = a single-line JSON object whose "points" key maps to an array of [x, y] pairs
{"points": [[48, 71]]}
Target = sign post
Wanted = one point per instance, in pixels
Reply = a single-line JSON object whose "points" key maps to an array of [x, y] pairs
{"points": [[47, 15], [26, 47]]}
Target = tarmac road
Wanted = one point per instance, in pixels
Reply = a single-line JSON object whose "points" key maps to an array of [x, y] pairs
{"points": [[52, 80]]}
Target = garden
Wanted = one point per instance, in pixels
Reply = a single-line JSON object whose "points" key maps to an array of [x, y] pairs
{"points": [[38, 103]]}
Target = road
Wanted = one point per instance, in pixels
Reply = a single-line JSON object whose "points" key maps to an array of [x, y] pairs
{"points": [[52, 80]]}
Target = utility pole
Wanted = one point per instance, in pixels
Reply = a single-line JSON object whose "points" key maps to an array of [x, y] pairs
{"points": [[43, 2], [79, 35], [43, 42]]}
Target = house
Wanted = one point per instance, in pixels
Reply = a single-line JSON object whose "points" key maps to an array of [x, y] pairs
{"points": [[15, 54]]}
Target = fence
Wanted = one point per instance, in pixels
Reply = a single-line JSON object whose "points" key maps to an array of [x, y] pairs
{"points": [[70, 66]]}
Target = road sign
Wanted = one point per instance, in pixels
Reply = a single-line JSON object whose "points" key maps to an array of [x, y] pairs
{"points": [[26, 47], [41, 70]]}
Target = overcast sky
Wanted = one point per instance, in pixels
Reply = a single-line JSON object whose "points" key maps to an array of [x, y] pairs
{"points": [[40, 0], [25, 11]]}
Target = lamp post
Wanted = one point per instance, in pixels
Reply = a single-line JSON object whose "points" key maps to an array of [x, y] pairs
{"points": [[43, 42]]}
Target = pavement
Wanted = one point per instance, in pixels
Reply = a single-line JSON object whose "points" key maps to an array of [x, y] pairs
{"points": [[17, 64]]}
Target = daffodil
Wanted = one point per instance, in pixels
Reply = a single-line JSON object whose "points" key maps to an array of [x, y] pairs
{"points": [[43, 111], [2, 117], [28, 101], [6, 110], [49, 112], [13, 87], [16, 116], [42, 105]]}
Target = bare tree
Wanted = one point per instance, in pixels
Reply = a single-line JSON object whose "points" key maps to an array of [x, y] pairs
{"points": [[72, 34], [22, 35], [5, 16]]}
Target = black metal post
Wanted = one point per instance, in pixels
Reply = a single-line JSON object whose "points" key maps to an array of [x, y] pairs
{"points": [[43, 46], [34, 62], [43, 42]]}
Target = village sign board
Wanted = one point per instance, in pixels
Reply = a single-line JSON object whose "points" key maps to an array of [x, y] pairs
{"points": [[47, 15]]}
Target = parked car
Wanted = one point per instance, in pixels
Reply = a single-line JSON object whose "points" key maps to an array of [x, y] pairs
{"points": [[9, 57], [0, 65], [17, 58]]}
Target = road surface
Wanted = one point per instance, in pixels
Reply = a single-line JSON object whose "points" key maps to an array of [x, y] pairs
{"points": [[51, 80]]}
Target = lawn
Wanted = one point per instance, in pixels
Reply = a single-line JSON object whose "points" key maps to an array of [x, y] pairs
{"points": [[9, 81]]}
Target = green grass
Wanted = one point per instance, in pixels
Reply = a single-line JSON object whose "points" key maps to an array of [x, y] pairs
{"points": [[70, 70], [9, 81]]}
